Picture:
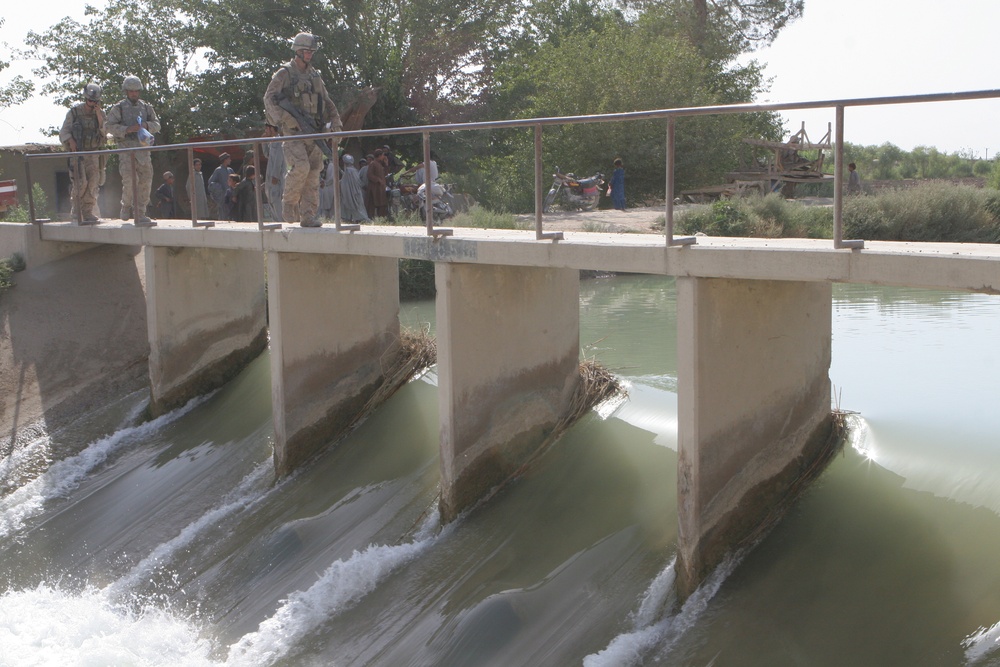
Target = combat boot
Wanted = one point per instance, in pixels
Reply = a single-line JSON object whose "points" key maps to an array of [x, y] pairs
{"points": [[126, 212]]}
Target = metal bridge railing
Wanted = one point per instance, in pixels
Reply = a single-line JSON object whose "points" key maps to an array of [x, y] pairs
{"points": [[670, 117]]}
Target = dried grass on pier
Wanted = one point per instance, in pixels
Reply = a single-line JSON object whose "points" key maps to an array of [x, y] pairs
{"points": [[417, 351]]}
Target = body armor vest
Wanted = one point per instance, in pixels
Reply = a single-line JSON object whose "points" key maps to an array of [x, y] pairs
{"points": [[304, 89], [86, 130]]}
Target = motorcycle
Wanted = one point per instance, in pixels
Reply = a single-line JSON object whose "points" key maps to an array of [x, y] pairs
{"points": [[574, 193], [441, 200], [403, 198]]}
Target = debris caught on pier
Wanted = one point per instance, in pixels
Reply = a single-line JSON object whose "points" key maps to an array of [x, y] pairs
{"points": [[417, 352]]}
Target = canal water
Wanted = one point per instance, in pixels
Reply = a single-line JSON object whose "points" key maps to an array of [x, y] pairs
{"points": [[169, 543]]}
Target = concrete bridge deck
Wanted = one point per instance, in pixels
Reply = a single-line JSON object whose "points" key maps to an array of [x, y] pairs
{"points": [[959, 266]]}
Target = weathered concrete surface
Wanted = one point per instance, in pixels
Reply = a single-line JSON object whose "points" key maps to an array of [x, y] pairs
{"points": [[753, 407], [72, 338], [25, 239], [207, 318], [961, 266], [334, 327], [508, 358]]}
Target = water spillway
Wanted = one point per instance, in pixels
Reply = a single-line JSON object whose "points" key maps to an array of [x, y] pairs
{"points": [[166, 544]]}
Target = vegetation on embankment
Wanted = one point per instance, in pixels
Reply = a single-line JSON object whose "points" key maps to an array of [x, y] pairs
{"points": [[8, 267], [928, 212]]}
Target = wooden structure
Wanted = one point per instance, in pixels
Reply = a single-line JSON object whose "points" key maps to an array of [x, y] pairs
{"points": [[797, 160]]}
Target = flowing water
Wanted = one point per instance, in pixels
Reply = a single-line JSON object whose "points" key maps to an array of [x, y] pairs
{"points": [[169, 543]]}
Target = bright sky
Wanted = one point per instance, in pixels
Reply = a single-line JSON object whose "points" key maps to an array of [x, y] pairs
{"points": [[840, 49]]}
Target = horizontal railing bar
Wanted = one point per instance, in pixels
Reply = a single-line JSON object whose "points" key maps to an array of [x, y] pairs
{"points": [[567, 120]]}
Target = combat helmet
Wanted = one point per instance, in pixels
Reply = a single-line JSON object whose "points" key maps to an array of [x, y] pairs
{"points": [[131, 83], [305, 40], [92, 91]]}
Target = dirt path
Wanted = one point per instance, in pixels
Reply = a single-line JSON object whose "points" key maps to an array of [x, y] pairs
{"points": [[642, 220]]}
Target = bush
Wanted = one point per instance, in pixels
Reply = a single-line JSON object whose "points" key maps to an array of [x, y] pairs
{"points": [[22, 213], [416, 279], [770, 216], [8, 267]]}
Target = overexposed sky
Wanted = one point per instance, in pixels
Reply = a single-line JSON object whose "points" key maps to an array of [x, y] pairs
{"points": [[840, 49]]}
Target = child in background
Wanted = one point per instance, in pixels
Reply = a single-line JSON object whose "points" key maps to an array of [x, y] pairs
{"points": [[616, 188], [229, 200]]}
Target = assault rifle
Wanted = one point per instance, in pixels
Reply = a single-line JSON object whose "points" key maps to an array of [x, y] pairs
{"points": [[306, 123]]}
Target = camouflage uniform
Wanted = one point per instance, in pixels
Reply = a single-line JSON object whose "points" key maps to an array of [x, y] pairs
{"points": [[303, 159], [120, 117], [85, 172]]}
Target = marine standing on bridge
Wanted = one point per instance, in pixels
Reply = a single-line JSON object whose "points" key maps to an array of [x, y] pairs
{"points": [[297, 102], [125, 120], [83, 130]]}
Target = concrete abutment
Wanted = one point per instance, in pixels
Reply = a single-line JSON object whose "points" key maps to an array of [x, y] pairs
{"points": [[334, 322], [508, 364], [753, 407], [206, 314]]}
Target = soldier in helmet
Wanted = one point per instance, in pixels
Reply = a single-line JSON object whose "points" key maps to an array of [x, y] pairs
{"points": [[295, 99], [128, 121], [83, 130]]}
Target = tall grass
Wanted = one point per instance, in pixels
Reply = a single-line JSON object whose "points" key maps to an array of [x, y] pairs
{"points": [[769, 217], [929, 212]]}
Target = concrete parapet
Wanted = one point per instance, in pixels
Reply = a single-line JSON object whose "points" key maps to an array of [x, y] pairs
{"points": [[508, 358], [207, 318], [334, 322], [754, 408], [24, 239]]}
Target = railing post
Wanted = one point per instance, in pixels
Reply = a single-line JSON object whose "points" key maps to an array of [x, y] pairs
{"points": [[838, 187], [31, 196], [539, 201], [429, 191], [337, 222], [668, 224], [193, 199], [259, 183]]}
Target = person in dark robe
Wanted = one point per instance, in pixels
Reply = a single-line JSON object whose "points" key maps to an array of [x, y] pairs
{"points": [[245, 198]]}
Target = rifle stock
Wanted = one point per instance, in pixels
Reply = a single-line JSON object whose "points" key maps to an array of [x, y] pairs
{"points": [[306, 123]]}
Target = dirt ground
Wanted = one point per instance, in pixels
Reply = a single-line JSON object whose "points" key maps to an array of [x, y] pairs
{"points": [[641, 220]]}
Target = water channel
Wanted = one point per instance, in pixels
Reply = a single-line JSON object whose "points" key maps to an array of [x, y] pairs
{"points": [[168, 543]]}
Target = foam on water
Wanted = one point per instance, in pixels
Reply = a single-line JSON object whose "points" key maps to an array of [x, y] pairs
{"points": [[49, 626], [63, 476], [981, 643], [651, 631], [250, 492], [342, 585]]}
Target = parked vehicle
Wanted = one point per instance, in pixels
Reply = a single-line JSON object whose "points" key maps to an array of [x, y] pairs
{"points": [[441, 200], [403, 198], [573, 193]]}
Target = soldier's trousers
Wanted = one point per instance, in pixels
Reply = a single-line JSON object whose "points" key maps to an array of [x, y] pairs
{"points": [[85, 175], [144, 180], [304, 161]]}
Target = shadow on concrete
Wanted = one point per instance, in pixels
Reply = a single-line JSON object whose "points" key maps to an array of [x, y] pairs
{"points": [[72, 336]]}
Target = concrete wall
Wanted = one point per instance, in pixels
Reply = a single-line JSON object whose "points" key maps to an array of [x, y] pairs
{"points": [[24, 238], [334, 323], [753, 407], [508, 358], [206, 313]]}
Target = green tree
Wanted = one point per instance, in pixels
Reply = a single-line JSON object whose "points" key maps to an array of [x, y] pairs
{"points": [[17, 89]]}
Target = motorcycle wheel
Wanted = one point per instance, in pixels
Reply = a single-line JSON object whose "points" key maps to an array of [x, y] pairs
{"points": [[549, 198], [590, 203]]}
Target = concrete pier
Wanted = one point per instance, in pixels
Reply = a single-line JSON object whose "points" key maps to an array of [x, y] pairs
{"points": [[753, 407], [206, 313], [334, 323], [508, 359]]}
